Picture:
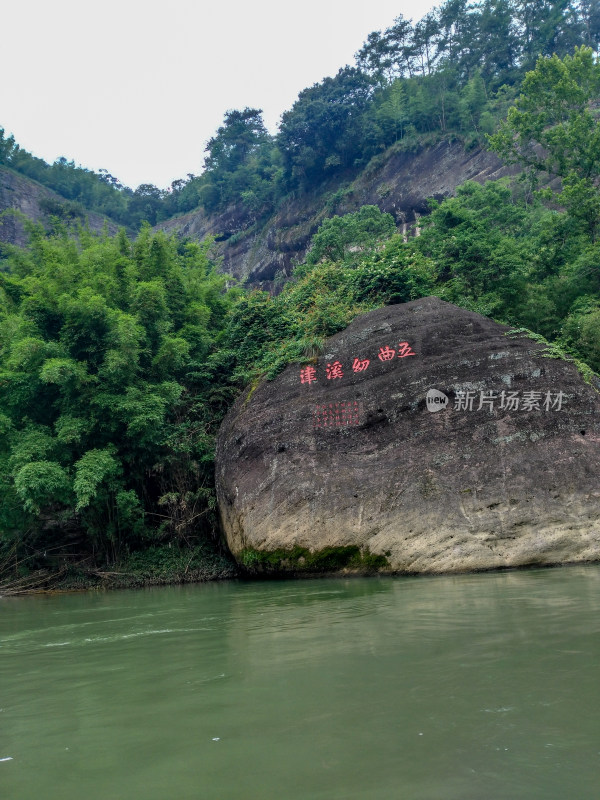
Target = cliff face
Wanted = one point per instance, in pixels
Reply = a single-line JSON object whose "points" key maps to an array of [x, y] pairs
{"points": [[36, 202], [399, 183], [264, 253], [354, 457]]}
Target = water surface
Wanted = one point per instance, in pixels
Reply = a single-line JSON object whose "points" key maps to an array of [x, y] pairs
{"points": [[478, 687]]}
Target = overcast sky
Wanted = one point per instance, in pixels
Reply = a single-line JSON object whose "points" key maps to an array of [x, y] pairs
{"points": [[139, 87]]}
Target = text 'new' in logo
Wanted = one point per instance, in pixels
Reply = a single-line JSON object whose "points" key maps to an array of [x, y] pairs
{"points": [[436, 400]]}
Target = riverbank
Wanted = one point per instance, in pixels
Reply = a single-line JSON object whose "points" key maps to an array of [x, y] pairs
{"points": [[170, 565], [165, 566], [156, 566]]}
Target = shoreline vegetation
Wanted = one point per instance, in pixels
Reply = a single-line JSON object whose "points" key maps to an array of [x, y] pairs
{"points": [[160, 569], [157, 566]]}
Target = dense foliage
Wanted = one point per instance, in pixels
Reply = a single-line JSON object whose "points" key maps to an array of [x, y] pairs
{"points": [[552, 131], [117, 362], [490, 249], [453, 72], [82, 188], [109, 392], [503, 250]]}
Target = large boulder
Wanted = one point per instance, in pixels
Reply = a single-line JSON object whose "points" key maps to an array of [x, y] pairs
{"points": [[424, 439]]}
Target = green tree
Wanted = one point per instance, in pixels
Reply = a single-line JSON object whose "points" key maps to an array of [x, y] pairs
{"points": [[350, 236], [472, 102], [498, 42], [8, 147], [323, 128], [426, 39], [391, 113], [105, 379], [145, 204], [389, 55], [240, 135], [589, 15], [553, 131], [239, 158]]}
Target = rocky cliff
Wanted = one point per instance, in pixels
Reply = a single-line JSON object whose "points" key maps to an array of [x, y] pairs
{"points": [[263, 252], [398, 182], [423, 439], [37, 203]]}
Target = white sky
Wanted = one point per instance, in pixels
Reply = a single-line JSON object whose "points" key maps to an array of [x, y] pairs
{"points": [[139, 86]]}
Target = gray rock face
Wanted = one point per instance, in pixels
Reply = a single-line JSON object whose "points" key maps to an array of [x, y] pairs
{"points": [[400, 184], [27, 196], [498, 468]]}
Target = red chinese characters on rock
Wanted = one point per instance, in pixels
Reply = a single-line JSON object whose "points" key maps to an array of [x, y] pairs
{"points": [[360, 366], [335, 371], [386, 353], [404, 349], [336, 415], [308, 375]]}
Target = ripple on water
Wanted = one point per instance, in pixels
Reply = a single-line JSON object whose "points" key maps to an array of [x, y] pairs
{"points": [[449, 687]]}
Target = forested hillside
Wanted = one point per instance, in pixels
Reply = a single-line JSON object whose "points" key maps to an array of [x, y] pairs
{"points": [[452, 73], [23, 199], [118, 360]]}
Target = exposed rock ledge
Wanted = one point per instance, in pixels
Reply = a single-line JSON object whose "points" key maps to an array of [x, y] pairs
{"points": [[399, 183], [27, 196], [358, 468]]}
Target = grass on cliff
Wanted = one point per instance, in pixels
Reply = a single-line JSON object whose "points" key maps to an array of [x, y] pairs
{"points": [[301, 560]]}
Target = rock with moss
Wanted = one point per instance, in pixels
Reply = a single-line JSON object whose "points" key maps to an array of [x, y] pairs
{"points": [[422, 439]]}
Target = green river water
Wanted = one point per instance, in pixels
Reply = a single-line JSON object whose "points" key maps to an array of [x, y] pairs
{"points": [[475, 687]]}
